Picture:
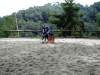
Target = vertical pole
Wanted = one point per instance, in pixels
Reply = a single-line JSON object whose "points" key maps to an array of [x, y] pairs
{"points": [[17, 25]]}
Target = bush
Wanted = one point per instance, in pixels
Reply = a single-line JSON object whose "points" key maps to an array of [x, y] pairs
{"points": [[76, 34], [4, 33]]}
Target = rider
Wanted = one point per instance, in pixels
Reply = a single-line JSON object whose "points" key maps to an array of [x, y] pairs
{"points": [[45, 31]]}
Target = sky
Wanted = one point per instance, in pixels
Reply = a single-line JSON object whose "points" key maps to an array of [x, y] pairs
{"points": [[7, 7]]}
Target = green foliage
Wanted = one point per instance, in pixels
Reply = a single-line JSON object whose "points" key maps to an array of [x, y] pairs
{"points": [[3, 33], [70, 18], [8, 23], [98, 20], [67, 15], [76, 34]]}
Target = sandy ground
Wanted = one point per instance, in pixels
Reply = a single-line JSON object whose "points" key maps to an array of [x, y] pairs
{"points": [[58, 40], [70, 56]]}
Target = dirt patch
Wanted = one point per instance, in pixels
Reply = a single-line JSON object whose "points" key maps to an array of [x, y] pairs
{"points": [[61, 58]]}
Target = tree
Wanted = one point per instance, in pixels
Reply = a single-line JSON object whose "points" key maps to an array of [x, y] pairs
{"points": [[98, 20], [70, 19], [8, 23]]}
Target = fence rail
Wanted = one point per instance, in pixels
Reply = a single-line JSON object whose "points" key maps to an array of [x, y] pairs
{"points": [[52, 30], [32, 33]]}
